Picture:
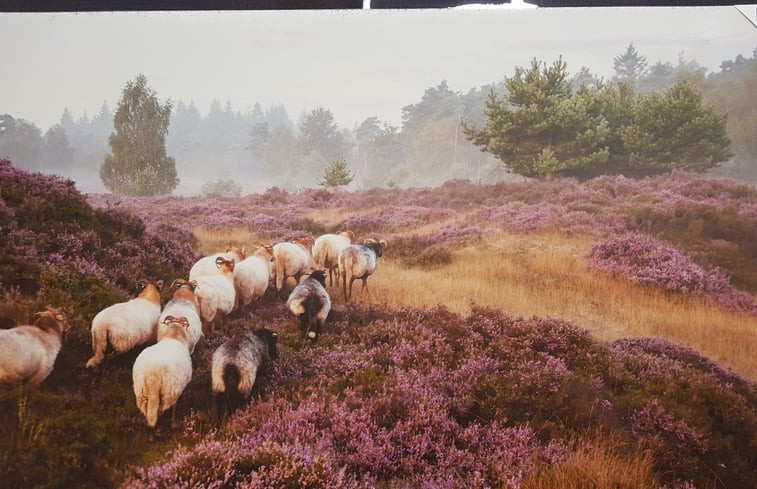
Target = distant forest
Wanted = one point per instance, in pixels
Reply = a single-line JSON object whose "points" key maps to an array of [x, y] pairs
{"points": [[265, 147]]}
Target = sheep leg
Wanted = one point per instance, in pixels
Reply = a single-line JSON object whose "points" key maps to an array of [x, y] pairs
{"points": [[352, 279], [365, 285]]}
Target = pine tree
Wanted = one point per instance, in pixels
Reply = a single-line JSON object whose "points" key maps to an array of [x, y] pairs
{"points": [[674, 130], [630, 66], [540, 128], [138, 164], [336, 174]]}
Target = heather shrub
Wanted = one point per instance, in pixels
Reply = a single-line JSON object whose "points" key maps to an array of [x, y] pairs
{"points": [[657, 381], [61, 249], [644, 261], [394, 218]]}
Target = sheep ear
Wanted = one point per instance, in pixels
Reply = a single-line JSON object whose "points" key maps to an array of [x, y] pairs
{"points": [[384, 244], [159, 284]]}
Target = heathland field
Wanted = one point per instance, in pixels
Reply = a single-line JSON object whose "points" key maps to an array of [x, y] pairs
{"points": [[536, 335]]}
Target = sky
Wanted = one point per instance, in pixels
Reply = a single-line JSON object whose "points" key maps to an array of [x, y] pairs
{"points": [[357, 64]]}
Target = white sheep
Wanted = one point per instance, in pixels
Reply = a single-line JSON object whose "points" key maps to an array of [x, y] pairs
{"points": [[311, 304], [207, 264], [162, 371], [216, 294], [359, 261], [326, 251], [236, 364], [126, 325], [251, 275], [28, 353], [292, 260], [183, 304]]}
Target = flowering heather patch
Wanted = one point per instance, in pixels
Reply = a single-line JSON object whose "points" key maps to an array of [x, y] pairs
{"points": [[644, 261], [427, 398], [687, 437], [57, 246], [394, 218]]}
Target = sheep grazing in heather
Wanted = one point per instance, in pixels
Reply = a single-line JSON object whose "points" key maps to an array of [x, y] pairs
{"points": [[28, 353], [326, 251], [251, 275], [162, 371], [311, 304], [183, 304], [126, 325], [236, 365], [359, 261], [216, 294], [292, 260], [207, 264]]}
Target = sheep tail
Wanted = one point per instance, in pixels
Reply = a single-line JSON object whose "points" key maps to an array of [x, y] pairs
{"points": [[232, 379], [148, 401], [100, 338]]}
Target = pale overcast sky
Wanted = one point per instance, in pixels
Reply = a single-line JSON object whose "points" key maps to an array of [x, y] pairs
{"points": [[356, 63]]}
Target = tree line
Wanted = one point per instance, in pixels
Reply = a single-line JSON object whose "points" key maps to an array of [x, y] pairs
{"points": [[540, 121]]}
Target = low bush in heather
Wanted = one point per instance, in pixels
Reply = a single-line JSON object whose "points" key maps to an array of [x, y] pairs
{"points": [[434, 248], [645, 261]]}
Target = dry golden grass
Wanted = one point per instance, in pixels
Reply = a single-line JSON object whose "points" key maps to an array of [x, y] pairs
{"points": [[215, 240], [598, 462], [545, 275]]}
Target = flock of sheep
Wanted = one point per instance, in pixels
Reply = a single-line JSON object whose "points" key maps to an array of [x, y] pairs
{"points": [[218, 284]]}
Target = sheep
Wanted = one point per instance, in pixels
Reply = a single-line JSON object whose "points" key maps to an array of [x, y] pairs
{"points": [[311, 304], [216, 294], [183, 304], [292, 260], [207, 264], [162, 371], [252, 274], [358, 261], [28, 352], [236, 364], [326, 251], [126, 325]]}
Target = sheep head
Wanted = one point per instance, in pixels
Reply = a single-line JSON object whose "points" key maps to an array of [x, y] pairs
{"points": [[150, 290], [320, 276], [239, 253], [348, 234], [180, 321], [225, 265], [271, 339], [180, 282], [306, 242], [52, 319]]}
